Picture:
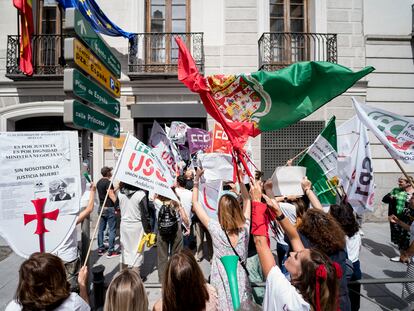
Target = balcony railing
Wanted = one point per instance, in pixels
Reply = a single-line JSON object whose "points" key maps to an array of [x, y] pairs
{"points": [[280, 49], [47, 57], [154, 55]]}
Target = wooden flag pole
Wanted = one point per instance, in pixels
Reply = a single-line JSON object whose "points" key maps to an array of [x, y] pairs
{"points": [[404, 173], [299, 154], [104, 202]]}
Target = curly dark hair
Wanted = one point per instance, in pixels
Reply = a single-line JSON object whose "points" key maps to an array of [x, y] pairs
{"points": [[323, 231], [344, 215], [306, 282], [42, 283]]}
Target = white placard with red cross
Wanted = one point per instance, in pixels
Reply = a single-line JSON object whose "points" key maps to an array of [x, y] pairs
{"points": [[40, 189]]}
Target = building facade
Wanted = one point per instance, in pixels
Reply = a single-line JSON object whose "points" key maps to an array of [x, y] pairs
{"points": [[227, 37]]}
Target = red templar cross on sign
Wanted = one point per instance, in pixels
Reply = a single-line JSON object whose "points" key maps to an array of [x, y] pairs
{"points": [[39, 217]]}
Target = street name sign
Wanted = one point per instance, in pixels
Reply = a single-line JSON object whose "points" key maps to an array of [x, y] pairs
{"points": [[76, 84], [80, 116], [74, 20], [77, 53]]}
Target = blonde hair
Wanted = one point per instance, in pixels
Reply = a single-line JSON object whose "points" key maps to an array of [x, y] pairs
{"points": [[230, 214], [126, 292]]}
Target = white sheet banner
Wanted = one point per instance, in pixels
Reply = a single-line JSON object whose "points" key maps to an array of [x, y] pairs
{"points": [[43, 166], [217, 166], [139, 166], [209, 195], [395, 132], [355, 165], [164, 149]]}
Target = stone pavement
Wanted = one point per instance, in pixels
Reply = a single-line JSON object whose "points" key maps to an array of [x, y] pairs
{"points": [[375, 263]]}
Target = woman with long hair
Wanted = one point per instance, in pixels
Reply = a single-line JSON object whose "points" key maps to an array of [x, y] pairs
{"points": [[321, 231], [314, 277], [126, 292], [43, 286], [230, 236], [344, 215], [184, 287]]}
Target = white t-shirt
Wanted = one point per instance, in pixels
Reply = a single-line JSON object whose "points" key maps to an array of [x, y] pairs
{"points": [[289, 210], [353, 246], [130, 207], [186, 197], [68, 251], [281, 295], [73, 303]]}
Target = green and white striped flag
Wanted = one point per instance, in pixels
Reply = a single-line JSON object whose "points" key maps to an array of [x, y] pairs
{"points": [[321, 162]]}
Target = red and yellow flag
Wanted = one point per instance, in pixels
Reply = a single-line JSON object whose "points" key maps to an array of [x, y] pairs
{"points": [[27, 29]]}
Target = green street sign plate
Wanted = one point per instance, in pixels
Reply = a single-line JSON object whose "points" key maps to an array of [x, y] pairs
{"points": [[76, 84], [80, 116], [75, 21]]}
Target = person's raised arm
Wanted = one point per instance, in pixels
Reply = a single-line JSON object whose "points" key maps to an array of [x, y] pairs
{"points": [[307, 189], [247, 203], [197, 208], [83, 283], [287, 226], [259, 228], [89, 208]]}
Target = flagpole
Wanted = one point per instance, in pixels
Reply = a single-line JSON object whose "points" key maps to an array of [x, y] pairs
{"points": [[404, 173], [104, 202], [299, 154]]}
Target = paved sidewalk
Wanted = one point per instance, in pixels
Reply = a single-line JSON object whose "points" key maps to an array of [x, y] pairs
{"points": [[375, 263]]}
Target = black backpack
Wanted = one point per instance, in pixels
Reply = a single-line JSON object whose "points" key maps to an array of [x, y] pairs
{"points": [[167, 222]]}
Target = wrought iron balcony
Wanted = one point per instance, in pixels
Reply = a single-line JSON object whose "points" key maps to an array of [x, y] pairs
{"points": [[153, 55], [280, 49], [47, 57]]}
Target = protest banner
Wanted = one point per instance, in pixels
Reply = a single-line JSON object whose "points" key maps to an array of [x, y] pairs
{"points": [[209, 195], [217, 166], [286, 180], [198, 139], [177, 132], [40, 189], [165, 150], [220, 141], [395, 132], [139, 166], [321, 162], [355, 165]]}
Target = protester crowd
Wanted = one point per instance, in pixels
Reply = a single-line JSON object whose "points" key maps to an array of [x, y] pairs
{"points": [[316, 255]]}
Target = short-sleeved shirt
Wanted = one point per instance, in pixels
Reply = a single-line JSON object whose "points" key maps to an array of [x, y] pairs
{"points": [[73, 303], [102, 186], [281, 294]]}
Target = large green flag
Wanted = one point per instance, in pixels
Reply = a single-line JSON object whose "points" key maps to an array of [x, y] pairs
{"points": [[321, 162], [274, 100]]}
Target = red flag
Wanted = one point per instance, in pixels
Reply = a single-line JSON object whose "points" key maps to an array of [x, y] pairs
{"points": [[26, 21], [188, 73]]}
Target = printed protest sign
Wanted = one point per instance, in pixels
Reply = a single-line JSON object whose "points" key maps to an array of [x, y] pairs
{"points": [[177, 132], [40, 189], [165, 150], [209, 195], [355, 165], [198, 139], [220, 140], [395, 132], [139, 166]]}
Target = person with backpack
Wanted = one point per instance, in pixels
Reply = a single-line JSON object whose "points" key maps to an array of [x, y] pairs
{"points": [[169, 238]]}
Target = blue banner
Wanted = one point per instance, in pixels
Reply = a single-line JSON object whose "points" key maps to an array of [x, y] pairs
{"points": [[99, 21]]}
